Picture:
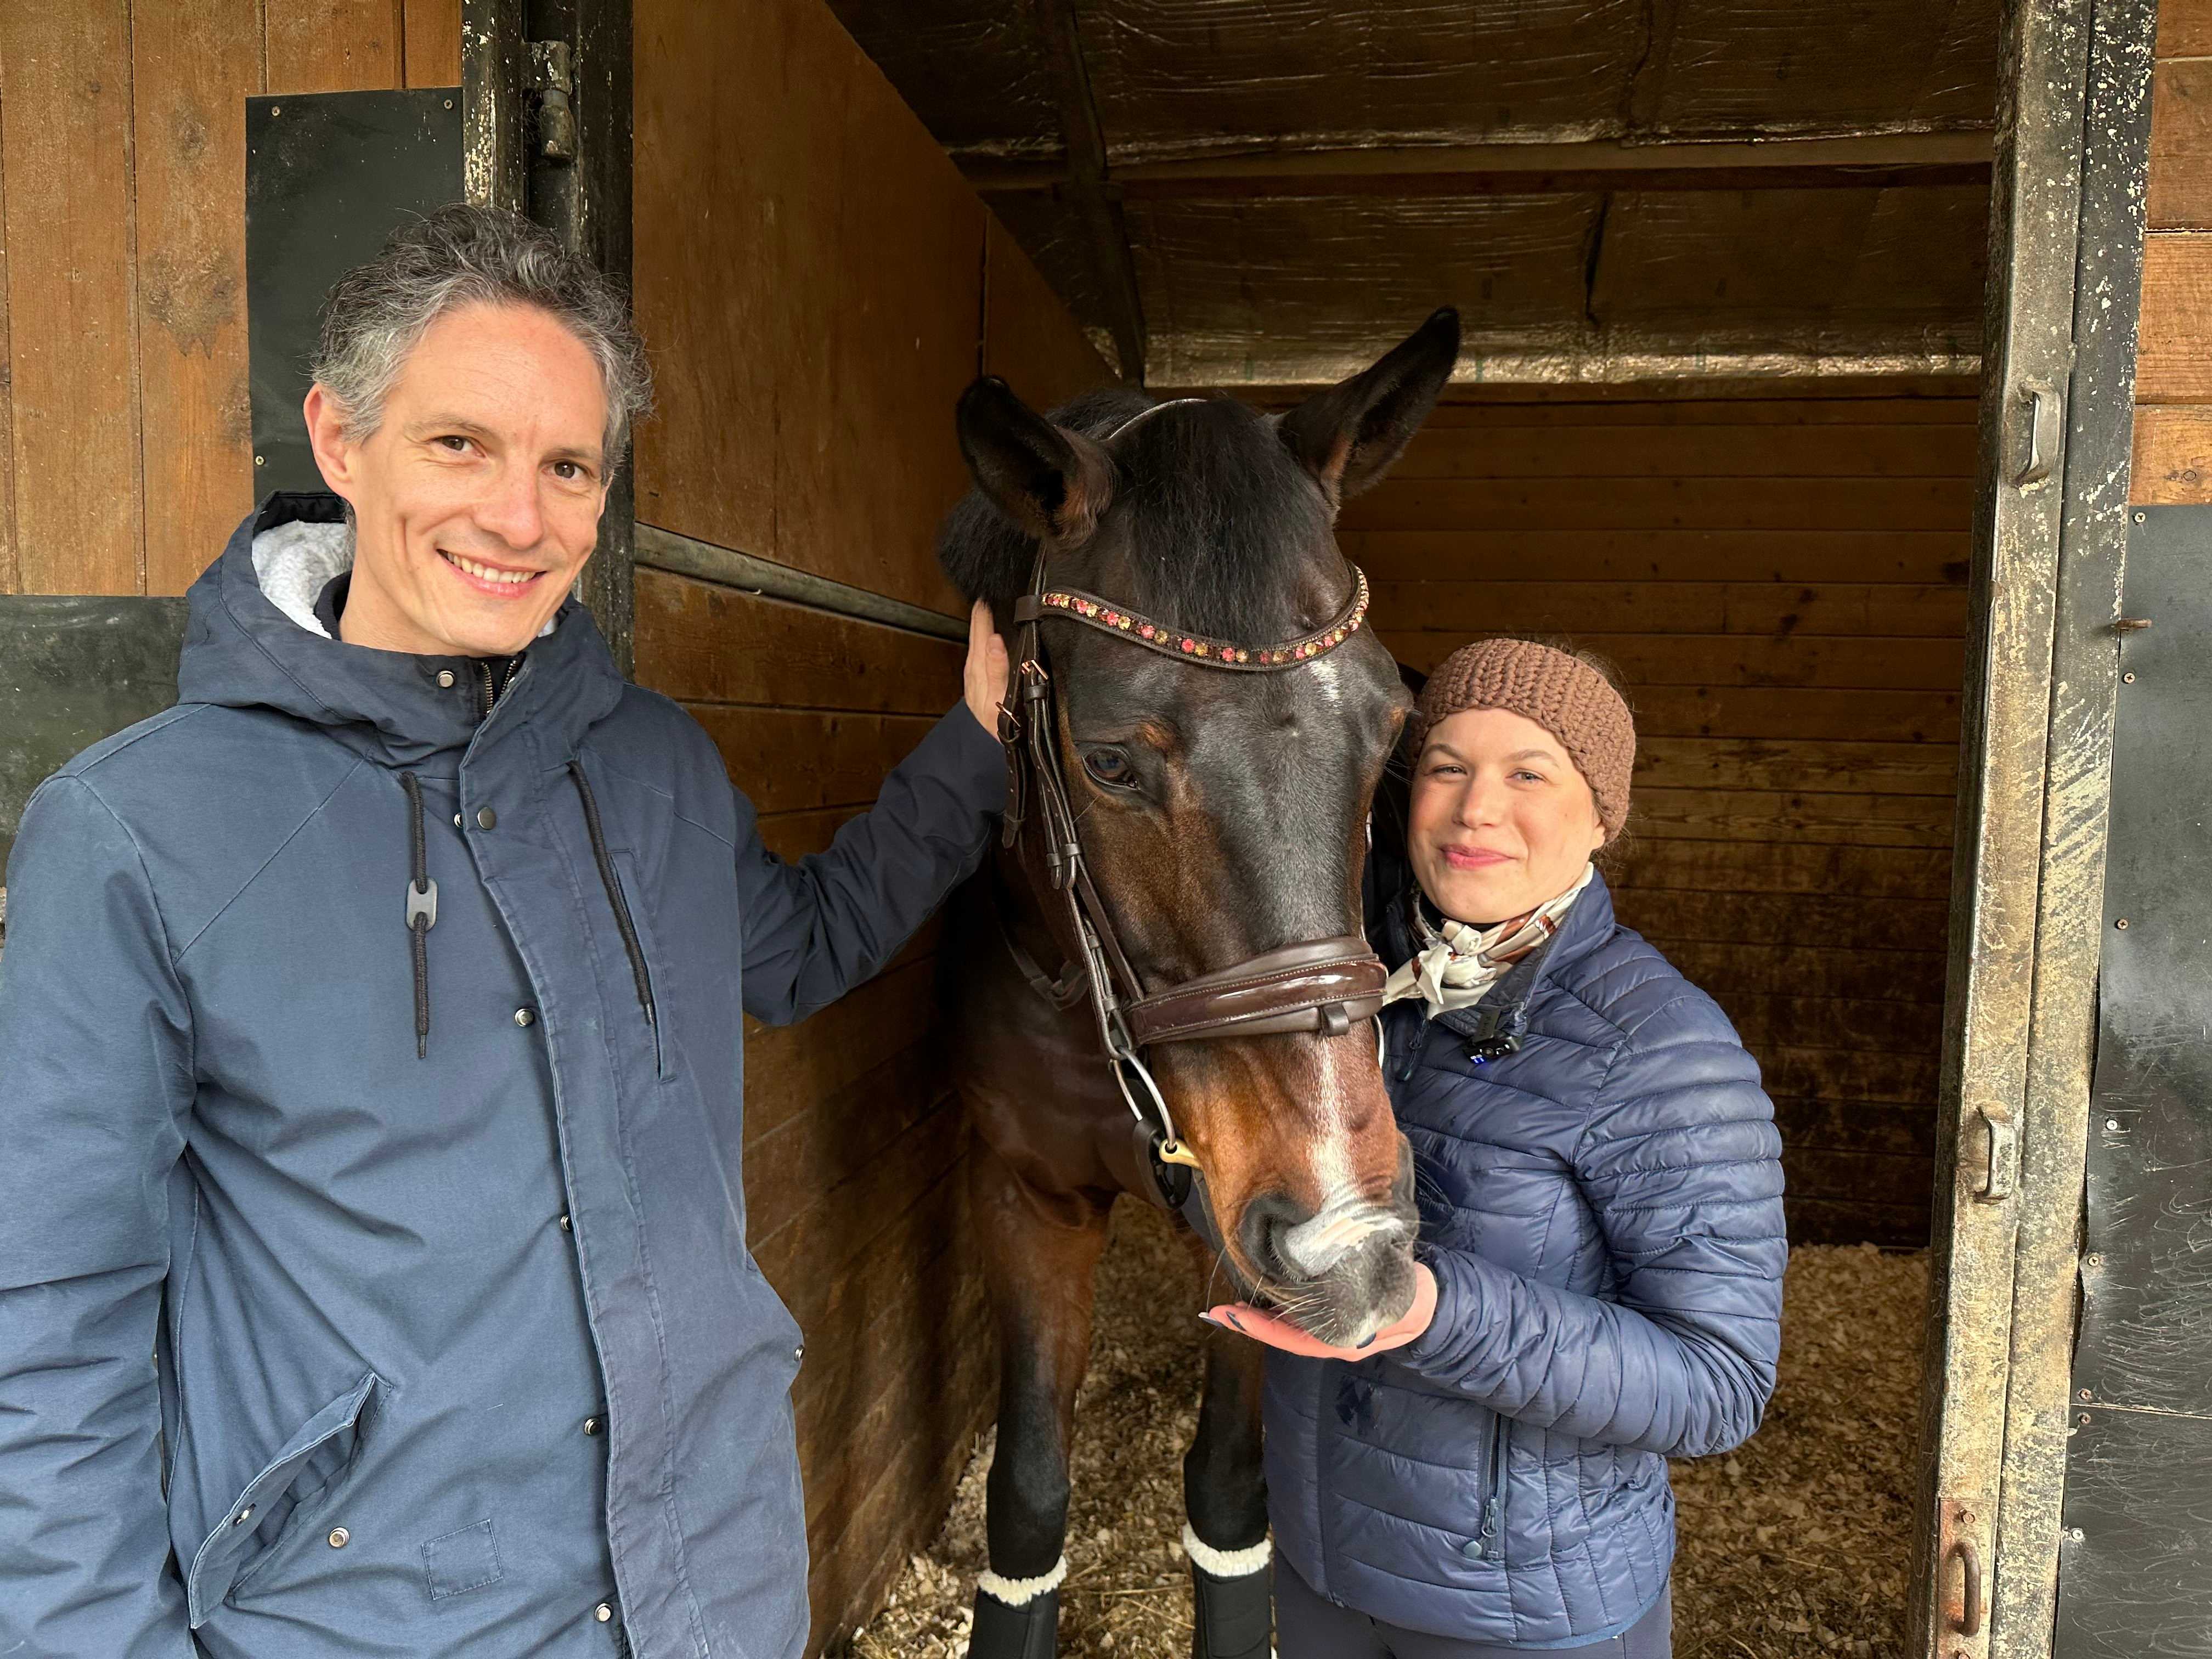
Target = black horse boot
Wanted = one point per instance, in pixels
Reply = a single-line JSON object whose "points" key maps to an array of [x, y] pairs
{"points": [[1232, 1600], [1026, 1625]]}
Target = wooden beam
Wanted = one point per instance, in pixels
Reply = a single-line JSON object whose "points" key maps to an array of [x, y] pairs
{"points": [[1910, 158], [1083, 179]]}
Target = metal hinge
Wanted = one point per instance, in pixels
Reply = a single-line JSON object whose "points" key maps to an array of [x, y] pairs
{"points": [[551, 75]]}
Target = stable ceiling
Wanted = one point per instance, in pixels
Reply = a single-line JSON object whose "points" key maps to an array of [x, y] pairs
{"points": [[1271, 191]]}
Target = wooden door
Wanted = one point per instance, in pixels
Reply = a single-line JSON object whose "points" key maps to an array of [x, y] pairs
{"points": [[2066, 247]]}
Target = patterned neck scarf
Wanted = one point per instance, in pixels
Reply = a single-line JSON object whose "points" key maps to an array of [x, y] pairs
{"points": [[1454, 967]]}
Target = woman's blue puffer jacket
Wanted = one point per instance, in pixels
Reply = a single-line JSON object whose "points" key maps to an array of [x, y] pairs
{"points": [[1601, 1201]]}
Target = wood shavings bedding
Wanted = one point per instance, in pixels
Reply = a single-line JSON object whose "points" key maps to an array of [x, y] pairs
{"points": [[1794, 1546]]}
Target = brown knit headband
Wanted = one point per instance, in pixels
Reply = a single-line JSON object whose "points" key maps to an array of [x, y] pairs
{"points": [[1563, 694]]}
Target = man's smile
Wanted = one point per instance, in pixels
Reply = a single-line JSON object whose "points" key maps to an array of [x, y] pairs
{"points": [[500, 583]]}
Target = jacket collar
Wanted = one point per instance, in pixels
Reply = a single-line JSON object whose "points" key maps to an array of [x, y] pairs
{"points": [[241, 651]]}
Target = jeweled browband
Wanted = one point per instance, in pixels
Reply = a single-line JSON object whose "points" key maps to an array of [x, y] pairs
{"points": [[1123, 623]]}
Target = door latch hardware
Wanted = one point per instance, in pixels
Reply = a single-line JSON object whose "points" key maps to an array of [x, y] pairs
{"points": [[2001, 1176], [2044, 412]]}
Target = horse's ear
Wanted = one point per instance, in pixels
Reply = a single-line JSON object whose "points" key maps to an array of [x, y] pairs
{"points": [[1348, 436], [1051, 482]]}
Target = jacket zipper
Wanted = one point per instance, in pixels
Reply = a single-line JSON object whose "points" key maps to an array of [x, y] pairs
{"points": [[1494, 1506]]}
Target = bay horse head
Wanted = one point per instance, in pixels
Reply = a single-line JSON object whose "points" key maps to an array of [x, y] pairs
{"points": [[1222, 817]]}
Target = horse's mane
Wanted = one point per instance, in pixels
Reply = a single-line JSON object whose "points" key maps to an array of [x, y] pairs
{"points": [[1220, 510]]}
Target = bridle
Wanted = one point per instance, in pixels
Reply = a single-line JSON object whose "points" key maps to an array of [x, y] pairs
{"points": [[1322, 986]]}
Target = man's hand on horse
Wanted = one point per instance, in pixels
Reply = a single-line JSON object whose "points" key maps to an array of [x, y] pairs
{"points": [[1244, 1318], [986, 674]]}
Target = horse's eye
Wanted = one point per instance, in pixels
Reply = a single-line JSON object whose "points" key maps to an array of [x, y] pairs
{"points": [[1109, 767]]}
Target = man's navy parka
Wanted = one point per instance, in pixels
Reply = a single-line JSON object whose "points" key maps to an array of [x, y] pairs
{"points": [[310, 1345]]}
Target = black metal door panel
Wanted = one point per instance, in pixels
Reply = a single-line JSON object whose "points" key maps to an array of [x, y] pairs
{"points": [[2135, 1555]]}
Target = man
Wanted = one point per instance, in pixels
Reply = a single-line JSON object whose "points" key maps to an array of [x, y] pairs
{"points": [[372, 1276]]}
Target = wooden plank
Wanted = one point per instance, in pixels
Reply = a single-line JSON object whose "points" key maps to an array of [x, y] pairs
{"points": [[332, 45], [1815, 765], [700, 643], [1834, 1023], [1856, 1126], [431, 36], [2180, 188], [838, 1134], [65, 148], [1728, 970], [1792, 712], [790, 1067], [1709, 660], [11, 575], [2173, 351], [816, 309], [838, 1227], [788, 759], [2184, 30], [1758, 815], [1481, 605], [1854, 1074], [1468, 405], [1029, 340], [1668, 503], [1844, 920], [1727, 866], [1880, 448], [1855, 1176], [908, 1466], [2173, 463], [190, 78], [1656, 555], [1831, 1221]]}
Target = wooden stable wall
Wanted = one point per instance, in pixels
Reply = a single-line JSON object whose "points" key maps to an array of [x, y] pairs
{"points": [[819, 284], [126, 452], [1781, 583], [2173, 346]]}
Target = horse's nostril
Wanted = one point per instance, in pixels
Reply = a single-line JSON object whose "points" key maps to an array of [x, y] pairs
{"points": [[1267, 1218]]}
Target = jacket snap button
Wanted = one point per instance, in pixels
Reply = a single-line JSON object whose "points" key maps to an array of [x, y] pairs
{"points": [[457, 820], [799, 1352], [486, 817], [590, 1425], [565, 1224], [340, 1538], [445, 679], [242, 1517], [602, 1612], [526, 1017], [1472, 1549]]}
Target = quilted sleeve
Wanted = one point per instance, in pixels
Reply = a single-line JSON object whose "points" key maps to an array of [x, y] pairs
{"points": [[1680, 1163]]}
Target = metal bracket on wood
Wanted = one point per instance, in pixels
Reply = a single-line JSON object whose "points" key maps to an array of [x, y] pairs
{"points": [[556, 116]]}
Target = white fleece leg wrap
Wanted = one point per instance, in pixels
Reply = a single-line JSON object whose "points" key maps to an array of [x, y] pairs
{"points": [[1020, 1592], [1224, 1564]]}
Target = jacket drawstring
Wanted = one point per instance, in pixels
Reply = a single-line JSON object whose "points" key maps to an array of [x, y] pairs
{"points": [[422, 914], [622, 923]]}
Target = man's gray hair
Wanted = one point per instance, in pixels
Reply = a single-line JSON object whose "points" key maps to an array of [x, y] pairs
{"points": [[462, 255]]}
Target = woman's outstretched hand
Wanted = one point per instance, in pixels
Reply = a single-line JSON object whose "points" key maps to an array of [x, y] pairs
{"points": [[1244, 1317], [984, 680]]}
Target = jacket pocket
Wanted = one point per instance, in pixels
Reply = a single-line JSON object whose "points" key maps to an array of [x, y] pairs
{"points": [[320, 1451], [632, 899]]}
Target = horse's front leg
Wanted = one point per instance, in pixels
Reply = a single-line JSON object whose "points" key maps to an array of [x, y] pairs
{"points": [[1225, 1498], [1039, 1250]]}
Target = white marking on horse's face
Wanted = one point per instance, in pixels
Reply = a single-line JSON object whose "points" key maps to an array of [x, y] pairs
{"points": [[1332, 684], [1346, 1218]]}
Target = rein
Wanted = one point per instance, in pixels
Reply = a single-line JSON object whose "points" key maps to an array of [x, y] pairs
{"points": [[1321, 986]]}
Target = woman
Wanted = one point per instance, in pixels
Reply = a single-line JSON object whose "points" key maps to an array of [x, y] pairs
{"points": [[1601, 1247]]}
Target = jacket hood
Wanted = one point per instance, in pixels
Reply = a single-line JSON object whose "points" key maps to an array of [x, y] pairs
{"points": [[253, 641]]}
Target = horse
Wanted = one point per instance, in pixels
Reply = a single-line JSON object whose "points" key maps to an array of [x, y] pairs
{"points": [[1157, 983]]}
